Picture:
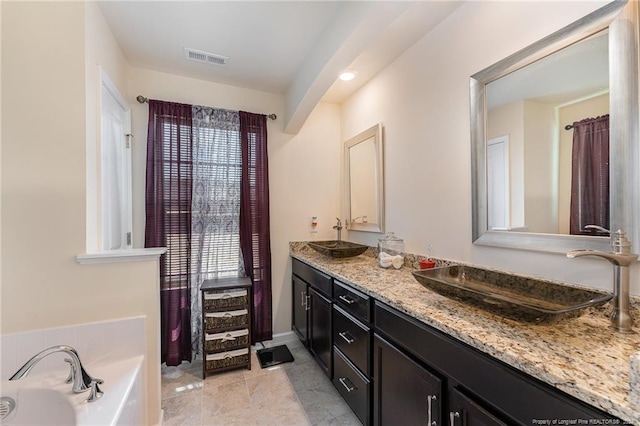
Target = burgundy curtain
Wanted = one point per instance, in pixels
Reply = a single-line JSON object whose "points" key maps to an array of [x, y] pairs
{"points": [[254, 220], [590, 175], [168, 221]]}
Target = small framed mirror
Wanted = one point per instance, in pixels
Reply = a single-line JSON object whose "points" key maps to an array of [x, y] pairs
{"points": [[364, 181]]}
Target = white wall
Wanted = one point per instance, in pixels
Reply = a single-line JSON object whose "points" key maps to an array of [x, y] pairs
{"points": [[103, 55], [45, 128], [422, 99], [540, 168], [304, 170]]}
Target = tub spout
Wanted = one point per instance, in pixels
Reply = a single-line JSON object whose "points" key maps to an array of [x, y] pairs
{"points": [[82, 381]]}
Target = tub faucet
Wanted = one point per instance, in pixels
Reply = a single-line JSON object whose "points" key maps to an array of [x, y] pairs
{"points": [[621, 258], [338, 227], [78, 375]]}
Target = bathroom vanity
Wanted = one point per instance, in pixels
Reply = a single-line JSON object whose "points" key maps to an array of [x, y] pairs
{"points": [[401, 354]]}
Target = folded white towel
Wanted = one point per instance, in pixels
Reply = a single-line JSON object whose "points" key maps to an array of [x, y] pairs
{"points": [[397, 261], [385, 263]]}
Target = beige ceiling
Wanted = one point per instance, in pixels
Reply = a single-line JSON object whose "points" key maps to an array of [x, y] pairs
{"points": [[294, 48]]}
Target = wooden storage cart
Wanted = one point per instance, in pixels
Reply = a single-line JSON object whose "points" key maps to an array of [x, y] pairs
{"points": [[226, 324]]}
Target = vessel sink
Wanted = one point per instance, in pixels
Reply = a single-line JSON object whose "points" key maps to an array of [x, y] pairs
{"points": [[523, 299], [334, 248]]}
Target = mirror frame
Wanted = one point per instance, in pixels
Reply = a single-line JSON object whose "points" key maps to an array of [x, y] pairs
{"points": [[622, 20], [374, 132]]}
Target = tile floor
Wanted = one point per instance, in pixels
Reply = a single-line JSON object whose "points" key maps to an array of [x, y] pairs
{"points": [[296, 393]]}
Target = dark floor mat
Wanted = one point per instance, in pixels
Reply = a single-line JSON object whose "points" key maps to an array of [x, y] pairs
{"points": [[273, 356]]}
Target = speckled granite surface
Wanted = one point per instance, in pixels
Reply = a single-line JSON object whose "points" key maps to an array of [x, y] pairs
{"points": [[581, 357], [634, 380]]}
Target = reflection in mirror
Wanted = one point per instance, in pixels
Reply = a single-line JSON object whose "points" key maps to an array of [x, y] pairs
{"points": [[547, 148], [527, 110], [363, 181]]}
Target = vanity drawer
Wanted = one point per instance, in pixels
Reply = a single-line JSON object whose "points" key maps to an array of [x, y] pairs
{"points": [[354, 302], [352, 385], [352, 338], [313, 277]]}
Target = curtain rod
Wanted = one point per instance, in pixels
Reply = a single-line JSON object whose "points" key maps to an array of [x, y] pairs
{"points": [[568, 127], [144, 100]]}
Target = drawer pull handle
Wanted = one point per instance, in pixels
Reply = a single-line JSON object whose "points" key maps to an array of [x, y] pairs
{"points": [[307, 301], [430, 400], [303, 299], [345, 336], [452, 417], [349, 387], [347, 299]]}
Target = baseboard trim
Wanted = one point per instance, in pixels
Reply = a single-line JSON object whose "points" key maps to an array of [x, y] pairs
{"points": [[278, 339], [160, 423]]}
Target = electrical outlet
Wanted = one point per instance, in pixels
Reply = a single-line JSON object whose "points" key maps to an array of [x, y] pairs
{"points": [[314, 225]]}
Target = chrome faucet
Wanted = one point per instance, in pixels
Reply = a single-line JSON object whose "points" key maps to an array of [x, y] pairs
{"points": [[78, 375], [338, 227], [621, 258]]}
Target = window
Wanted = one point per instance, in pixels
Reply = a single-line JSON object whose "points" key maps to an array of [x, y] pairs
{"points": [[216, 201]]}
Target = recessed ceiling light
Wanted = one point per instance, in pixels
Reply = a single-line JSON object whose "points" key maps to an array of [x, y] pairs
{"points": [[347, 75]]}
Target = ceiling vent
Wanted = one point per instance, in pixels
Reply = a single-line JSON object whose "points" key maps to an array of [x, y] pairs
{"points": [[204, 57]]}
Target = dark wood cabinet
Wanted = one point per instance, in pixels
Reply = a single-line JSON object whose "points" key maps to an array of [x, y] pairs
{"points": [[320, 340], [464, 411], [311, 312], [394, 369], [511, 396], [405, 393], [226, 324], [300, 315]]}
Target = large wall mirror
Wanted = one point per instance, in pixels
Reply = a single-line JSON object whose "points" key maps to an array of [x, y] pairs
{"points": [[554, 135], [364, 188]]}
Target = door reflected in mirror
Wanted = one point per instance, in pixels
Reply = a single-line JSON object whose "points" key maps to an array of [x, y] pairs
{"points": [[364, 195], [547, 162]]}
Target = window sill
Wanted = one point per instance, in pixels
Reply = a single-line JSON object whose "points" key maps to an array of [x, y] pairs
{"points": [[117, 256]]}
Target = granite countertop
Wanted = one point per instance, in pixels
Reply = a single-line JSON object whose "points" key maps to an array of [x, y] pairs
{"points": [[581, 356]]}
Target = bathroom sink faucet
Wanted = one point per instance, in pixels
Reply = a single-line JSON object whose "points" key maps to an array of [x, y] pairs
{"points": [[81, 380], [621, 258], [338, 227]]}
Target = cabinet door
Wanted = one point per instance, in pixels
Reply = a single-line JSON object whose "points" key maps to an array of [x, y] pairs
{"points": [[300, 309], [320, 340], [405, 393], [463, 411]]}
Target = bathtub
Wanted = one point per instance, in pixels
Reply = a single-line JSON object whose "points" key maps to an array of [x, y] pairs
{"points": [[44, 399]]}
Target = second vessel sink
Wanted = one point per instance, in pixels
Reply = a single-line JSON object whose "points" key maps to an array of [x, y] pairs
{"points": [[519, 298], [339, 249]]}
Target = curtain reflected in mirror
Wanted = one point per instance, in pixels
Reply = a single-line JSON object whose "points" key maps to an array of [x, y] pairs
{"points": [[590, 176]]}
